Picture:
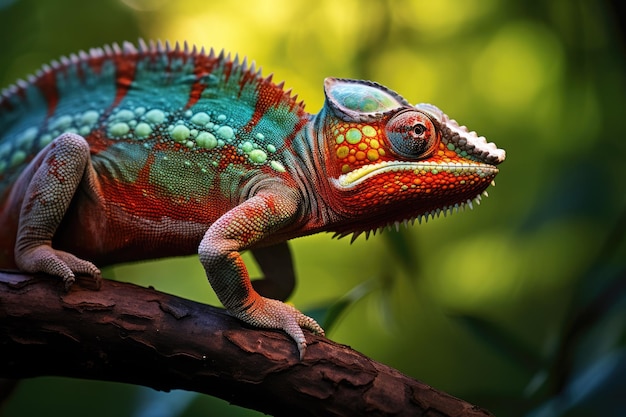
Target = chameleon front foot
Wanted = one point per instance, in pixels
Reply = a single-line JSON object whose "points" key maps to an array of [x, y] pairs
{"points": [[46, 260], [274, 314]]}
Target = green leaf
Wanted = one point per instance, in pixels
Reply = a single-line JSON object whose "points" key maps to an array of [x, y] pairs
{"points": [[330, 314]]}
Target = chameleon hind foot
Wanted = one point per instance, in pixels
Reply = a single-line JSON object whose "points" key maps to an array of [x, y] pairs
{"points": [[52, 179], [46, 260]]}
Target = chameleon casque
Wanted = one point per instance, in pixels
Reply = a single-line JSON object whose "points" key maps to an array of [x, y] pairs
{"points": [[129, 153]]}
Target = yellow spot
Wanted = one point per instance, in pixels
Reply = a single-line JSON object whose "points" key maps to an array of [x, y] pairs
{"points": [[369, 131], [343, 151], [374, 144], [345, 169], [353, 136], [372, 155], [381, 152], [362, 146]]}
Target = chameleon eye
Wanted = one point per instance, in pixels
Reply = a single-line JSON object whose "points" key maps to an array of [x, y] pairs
{"points": [[412, 134]]}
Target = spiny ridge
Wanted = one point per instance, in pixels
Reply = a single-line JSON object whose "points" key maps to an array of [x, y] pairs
{"points": [[146, 49], [470, 142], [396, 225]]}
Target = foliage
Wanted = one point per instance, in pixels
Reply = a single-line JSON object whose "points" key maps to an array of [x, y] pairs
{"points": [[519, 305]]}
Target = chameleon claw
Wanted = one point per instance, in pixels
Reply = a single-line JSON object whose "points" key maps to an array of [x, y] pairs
{"points": [[273, 314], [302, 350], [306, 322], [68, 282]]}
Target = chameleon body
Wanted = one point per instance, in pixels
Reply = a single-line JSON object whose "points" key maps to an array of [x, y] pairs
{"points": [[129, 153]]}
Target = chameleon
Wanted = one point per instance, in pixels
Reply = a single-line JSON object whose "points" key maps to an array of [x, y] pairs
{"points": [[148, 150]]}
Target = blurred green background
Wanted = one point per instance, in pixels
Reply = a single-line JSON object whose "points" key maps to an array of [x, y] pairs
{"points": [[519, 305]]}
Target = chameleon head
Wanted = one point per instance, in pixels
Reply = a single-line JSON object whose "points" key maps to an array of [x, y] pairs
{"points": [[390, 161]]}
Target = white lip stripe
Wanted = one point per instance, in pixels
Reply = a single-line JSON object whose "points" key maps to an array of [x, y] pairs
{"points": [[361, 174]]}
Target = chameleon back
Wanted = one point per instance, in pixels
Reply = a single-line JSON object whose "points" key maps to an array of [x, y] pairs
{"points": [[179, 113]]}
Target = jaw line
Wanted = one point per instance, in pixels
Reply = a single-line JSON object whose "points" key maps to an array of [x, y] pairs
{"points": [[359, 175], [445, 210]]}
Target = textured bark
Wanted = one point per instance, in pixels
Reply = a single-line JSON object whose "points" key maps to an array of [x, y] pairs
{"points": [[141, 336]]}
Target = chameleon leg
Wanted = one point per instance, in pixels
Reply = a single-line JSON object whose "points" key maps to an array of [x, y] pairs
{"points": [[279, 279], [52, 179], [236, 230]]}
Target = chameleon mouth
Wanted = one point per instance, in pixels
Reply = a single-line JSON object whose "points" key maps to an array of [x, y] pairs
{"points": [[353, 178], [410, 221], [359, 175]]}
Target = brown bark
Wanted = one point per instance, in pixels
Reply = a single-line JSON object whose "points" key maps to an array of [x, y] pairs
{"points": [[141, 336]]}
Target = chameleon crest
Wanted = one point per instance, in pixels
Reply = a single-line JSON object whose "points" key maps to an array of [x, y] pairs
{"points": [[123, 154]]}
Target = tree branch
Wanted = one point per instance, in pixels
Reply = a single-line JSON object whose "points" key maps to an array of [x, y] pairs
{"points": [[141, 336]]}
